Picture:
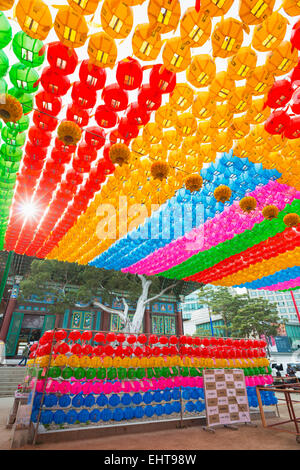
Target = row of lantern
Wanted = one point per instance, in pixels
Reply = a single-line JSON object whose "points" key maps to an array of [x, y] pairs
{"points": [[253, 235], [16, 106], [209, 235]]}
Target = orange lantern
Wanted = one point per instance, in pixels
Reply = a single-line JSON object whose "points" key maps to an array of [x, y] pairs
{"points": [[241, 64], [204, 105], [34, 18], [255, 11], [222, 86], [165, 116], [102, 50], [201, 71], [191, 145], [205, 132], [116, 19], [239, 128], [6, 4], [181, 97], [171, 140], [283, 59], [164, 15], [146, 43], [291, 7], [152, 133], [195, 27], [258, 112], [227, 37], [240, 100], [222, 142], [84, 7], [71, 27], [176, 55], [140, 146], [269, 34], [259, 81], [186, 124], [222, 117], [216, 8]]}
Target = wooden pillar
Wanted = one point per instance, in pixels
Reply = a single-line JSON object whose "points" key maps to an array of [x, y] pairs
{"points": [[147, 322], [179, 322], [7, 318], [105, 321]]}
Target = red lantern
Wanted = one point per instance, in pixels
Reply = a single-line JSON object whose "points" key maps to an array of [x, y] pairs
{"points": [[74, 335], [81, 166], [137, 115], [189, 340], [98, 350], [173, 340], [131, 339], [48, 103], [280, 94], [85, 153], [108, 350], [110, 337], [95, 137], [87, 349], [137, 351], [213, 341], [149, 98], [60, 335], [293, 130], [163, 340], [197, 341], [295, 36], [38, 137], [54, 83], [205, 341], [64, 348], [127, 130], [182, 339], [60, 157], [105, 117], [44, 121], [73, 178], [99, 337], [115, 98], [78, 115], [54, 168], [162, 79], [86, 335], [142, 339], [295, 102], [62, 59], [106, 166], [121, 337], [36, 152], [83, 96], [277, 122], [153, 339], [129, 74], [76, 349], [91, 75]]}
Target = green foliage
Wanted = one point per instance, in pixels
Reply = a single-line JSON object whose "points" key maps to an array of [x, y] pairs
{"points": [[242, 316]]}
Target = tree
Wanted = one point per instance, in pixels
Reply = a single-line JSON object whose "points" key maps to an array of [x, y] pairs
{"points": [[71, 283], [241, 315]]}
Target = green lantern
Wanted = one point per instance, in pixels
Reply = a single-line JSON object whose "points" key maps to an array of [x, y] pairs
{"points": [[10, 153], [175, 372], [131, 373], [79, 373], [24, 78], [12, 137], [90, 373], [140, 373], [29, 51], [184, 371], [54, 372], [121, 373], [21, 125], [5, 31], [4, 63], [157, 372], [165, 372], [67, 373], [111, 373], [8, 169], [101, 373], [26, 100], [150, 373]]}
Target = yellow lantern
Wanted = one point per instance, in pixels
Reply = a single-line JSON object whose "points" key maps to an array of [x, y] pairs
{"points": [[158, 152], [283, 59], [70, 27], [257, 113], [239, 128], [177, 159], [34, 18], [269, 34], [254, 12], [222, 142], [171, 140], [146, 43], [165, 116], [201, 71], [222, 117], [181, 97], [260, 80], [205, 132], [176, 56], [216, 8], [186, 124], [241, 64], [291, 7], [191, 145], [164, 15], [291, 149], [84, 7], [152, 133], [192, 165], [227, 37], [274, 143], [195, 27], [116, 19], [258, 135], [204, 105], [242, 149], [240, 100], [222, 86], [140, 147], [102, 50]]}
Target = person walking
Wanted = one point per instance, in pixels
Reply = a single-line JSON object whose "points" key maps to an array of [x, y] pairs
{"points": [[25, 354], [2, 353]]}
